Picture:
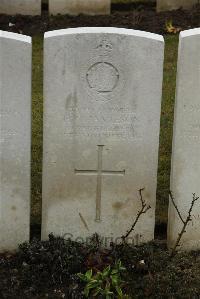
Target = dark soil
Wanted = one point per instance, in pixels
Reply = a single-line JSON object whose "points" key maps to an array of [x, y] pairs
{"points": [[140, 17], [48, 270]]}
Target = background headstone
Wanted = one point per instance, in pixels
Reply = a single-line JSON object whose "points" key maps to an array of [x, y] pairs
{"points": [[101, 131], [75, 7], [186, 141], [22, 7], [15, 139], [164, 5]]}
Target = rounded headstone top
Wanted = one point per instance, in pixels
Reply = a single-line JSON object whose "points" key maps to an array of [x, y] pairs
{"points": [[15, 36], [190, 32], [104, 30]]}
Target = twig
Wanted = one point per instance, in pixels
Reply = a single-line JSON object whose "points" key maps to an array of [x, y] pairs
{"points": [[185, 223], [177, 210], [143, 210]]}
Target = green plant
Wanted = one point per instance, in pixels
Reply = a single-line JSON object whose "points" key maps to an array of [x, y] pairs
{"points": [[170, 28], [107, 283]]}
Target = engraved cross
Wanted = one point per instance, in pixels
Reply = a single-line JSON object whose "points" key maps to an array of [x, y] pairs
{"points": [[99, 173]]}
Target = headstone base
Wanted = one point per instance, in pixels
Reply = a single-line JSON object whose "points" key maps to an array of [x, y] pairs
{"points": [[164, 5], [76, 7]]}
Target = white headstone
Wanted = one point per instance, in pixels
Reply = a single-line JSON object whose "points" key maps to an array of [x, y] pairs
{"points": [[186, 141], [76, 7], [164, 5], [15, 139], [101, 131], [22, 7]]}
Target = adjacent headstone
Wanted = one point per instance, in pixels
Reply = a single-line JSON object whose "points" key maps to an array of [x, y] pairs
{"points": [[15, 139], [186, 143], [22, 7], [164, 5], [102, 89], [76, 7]]}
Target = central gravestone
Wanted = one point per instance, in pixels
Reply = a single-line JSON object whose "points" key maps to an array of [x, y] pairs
{"points": [[101, 131]]}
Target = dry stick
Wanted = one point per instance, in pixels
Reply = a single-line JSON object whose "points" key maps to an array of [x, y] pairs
{"points": [[174, 204], [143, 210], [185, 223]]}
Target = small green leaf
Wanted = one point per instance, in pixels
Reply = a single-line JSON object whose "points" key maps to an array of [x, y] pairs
{"points": [[98, 291], [115, 279], [82, 277], [106, 271], [86, 292], [115, 271], [88, 274], [119, 291], [92, 284]]}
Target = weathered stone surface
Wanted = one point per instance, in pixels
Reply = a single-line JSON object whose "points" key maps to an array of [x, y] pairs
{"points": [[75, 7], [22, 7], [186, 142], [15, 139], [164, 5], [101, 131]]}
